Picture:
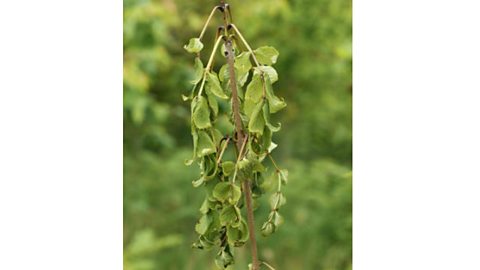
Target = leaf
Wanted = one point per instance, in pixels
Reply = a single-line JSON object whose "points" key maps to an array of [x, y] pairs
{"points": [[266, 55], [256, 123], [237, 236], [226, 191], [224, 258], [266, 116], [198, 182], [268, 228], [194, 45], [277, 219], [284, 176], [228, 167], [230, 215], [254, 89], [248, 107], [205, 206], [205, 144], [275, 103], [195, 142], [212, 102], [269, 71], [201, 113], [213, 84], [277, 200], [217, 136], [242, 67], [202, 225], [198, 71]]}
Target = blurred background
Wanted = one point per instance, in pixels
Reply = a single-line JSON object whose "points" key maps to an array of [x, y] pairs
{"points": [[160, 208]]}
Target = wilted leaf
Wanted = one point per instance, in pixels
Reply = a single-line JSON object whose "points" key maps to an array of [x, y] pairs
{"points": [[266, 55], [205, 144], [256, 123], [269, 71], [201, 113], [194, 45]]}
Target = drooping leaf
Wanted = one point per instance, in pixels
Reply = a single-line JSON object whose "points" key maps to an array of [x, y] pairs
{"points": [[242, 67], [213, 84], [266, 55], [256, 123], [224, 258], [284, 176], [202, 225], [205, 144], [228, 167], [198, 71], [195, 142], [275, 103], [269, 71], [230, 215], [277, 200], [198, 182], [212, 102], [226, 191], [217, 136], [266, 116], [277, 219], [237, 236], [268, 228], [254, 89], [194, 45], [201, 113]]}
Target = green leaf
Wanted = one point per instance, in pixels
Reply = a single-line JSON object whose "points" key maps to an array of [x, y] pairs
{"points": [[230, 215], [217, 136], [237, 236], [269, 71], [226, 191], [256, 123], [277, 219], [205, 206], [201, 113], [268, 228], [205, 144], [275, 103], [254, 89], [212, 102], [224, 258], [242, 67], [213, 84], [195, 142], [194, 45], [266, 116], [198, 71], [202, 225], [228, 167], [266, 55], [198, 182], [284, 176], [277, 200]]}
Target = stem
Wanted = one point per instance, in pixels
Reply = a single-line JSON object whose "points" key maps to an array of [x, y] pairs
{"points": [[252, 53], [223, 150], [273, 161], [246, 44], [240, 155], [209, 64], [240, 138], [268, 265], [207, 22]]}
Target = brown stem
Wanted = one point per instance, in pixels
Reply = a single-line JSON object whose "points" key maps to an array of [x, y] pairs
{"points": [[240, 139]]}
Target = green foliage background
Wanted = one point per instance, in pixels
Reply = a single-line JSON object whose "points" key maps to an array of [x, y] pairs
{"points": [[315, 144]]}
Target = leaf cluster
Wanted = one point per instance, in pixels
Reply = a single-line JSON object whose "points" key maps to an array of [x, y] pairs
{"points": [[221, 223]]}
